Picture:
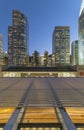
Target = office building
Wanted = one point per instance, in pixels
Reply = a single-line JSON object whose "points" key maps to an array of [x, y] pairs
{"points": [[81, 34], [46, 58], [74, 52], [61, 45], [1, 49], [18, 40], [53, 60], [50, 60], [42, 104], [5, 58]]}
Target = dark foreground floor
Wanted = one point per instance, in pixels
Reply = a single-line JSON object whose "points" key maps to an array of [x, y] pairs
{"points": [[37, 102]]}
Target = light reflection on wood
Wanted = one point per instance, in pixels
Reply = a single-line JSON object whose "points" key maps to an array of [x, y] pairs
{"points": [[76, 114], [5, 114], [40, 115]]}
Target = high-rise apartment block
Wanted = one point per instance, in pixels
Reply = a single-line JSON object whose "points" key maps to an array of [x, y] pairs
{"points": [[18, 40], [1, 49], [61, 45], [81, 34], [74, 53]]}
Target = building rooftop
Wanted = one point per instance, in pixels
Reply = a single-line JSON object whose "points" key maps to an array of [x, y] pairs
{"points": [[36, 69]]}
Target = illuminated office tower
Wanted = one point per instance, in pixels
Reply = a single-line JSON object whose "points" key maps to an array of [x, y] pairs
{"points": [[81, 34], [74, 52], [61, 45], [18, 40], [1, 49]]}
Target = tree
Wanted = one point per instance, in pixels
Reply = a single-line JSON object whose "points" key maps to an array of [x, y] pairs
{"points": [[36, 58]]}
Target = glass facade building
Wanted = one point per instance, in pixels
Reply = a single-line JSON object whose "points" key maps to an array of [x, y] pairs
{"points": [[1, 49], [18, 40], [74, 52], [81, 34], [61, 45]]}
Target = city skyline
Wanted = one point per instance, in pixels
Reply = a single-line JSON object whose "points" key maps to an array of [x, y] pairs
{"points": [[43, 16]]}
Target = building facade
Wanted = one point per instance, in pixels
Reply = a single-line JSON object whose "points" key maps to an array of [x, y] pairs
{"points": [[45, 58], [61, 45], [18, 40], [5, 58], [74, 52], [81, 34], [53, 60], [40, 71], [1, 49]]}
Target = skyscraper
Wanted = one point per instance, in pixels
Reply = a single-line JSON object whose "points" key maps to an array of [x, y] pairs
{"points": [[61, 45], [18, 40], [1, 49], [81, 34], [74, 52]]}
